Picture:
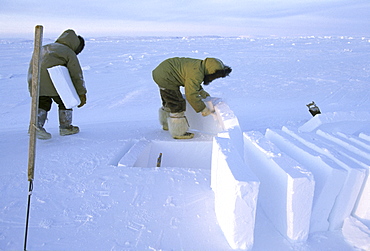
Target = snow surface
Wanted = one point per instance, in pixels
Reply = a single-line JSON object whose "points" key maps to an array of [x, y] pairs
{"points": [[84, 200]]}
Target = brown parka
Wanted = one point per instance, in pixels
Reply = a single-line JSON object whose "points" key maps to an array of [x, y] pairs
{"points": [[62, 52], [189, 73]]}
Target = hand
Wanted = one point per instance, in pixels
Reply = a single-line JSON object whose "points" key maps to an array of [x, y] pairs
{"points": [[203, 93], [206, 112], [83, 100]]}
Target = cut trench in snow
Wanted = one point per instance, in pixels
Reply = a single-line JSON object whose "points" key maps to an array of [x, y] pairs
{"points": [[181, 154]]}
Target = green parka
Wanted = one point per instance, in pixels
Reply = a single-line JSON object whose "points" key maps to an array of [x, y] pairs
{"points": [[62, 52], [188, 72]]}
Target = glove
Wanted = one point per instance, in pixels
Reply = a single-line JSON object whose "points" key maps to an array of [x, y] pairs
{"points": [[203, 93], [83, 100], [206, 112]]}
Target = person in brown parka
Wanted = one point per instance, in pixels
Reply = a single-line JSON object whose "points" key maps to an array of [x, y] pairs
{"points": [[63, 52], [190, 73]]}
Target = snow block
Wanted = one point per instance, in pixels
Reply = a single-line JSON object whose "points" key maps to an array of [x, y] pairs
{"points": [[230, 125], [355, 167], [356, 233], [222, 122], [362, 209], [286, 190], [345, 118], [329, 176], [228, 119], [210, 124], [364, 136], [236, 190], [131, 157], [63, 84]]}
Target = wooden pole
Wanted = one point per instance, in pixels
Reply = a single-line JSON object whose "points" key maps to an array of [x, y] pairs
{"points": [[36, 63]]}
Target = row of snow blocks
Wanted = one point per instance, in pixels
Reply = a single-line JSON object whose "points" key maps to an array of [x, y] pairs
{"points": [[337, 179], [356, 178], [357, 150], [236, 190], [341, 125], [362, 209], [350, 122], [286, 189], [336, 130]]}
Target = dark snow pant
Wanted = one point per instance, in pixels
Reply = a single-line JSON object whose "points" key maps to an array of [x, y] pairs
{"points": [[173, 99], [46, 101]]}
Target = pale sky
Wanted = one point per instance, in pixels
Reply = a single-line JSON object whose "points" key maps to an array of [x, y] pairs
{"points": [[187, 17]]}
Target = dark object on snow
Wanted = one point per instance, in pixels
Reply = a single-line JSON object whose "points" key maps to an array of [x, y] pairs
{"points": [[159, 160], [313, 109]]}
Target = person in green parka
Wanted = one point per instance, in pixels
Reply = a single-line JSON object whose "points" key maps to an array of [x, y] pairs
{"points": [[189, 73], [63, 52]]}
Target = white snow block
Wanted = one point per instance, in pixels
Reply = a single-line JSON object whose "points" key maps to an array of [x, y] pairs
{"points": [[362, 207], [324, 119], [361, 155], [228, 119], [63, 84], [329, 177], [222, 122], [210, 124], [230, 125], [286, 189], [132, 157], [356, 168], [356, 233], [364, 136], [236, 191]]}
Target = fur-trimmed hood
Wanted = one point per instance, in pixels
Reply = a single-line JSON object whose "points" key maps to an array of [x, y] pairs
{"points": [[211, 65], [70, 39]]}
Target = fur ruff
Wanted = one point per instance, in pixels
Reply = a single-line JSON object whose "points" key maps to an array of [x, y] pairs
{"points": [[163, 115], [177, 126]]}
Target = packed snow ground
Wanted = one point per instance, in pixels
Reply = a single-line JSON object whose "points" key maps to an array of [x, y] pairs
{"points": [[83, 200]]}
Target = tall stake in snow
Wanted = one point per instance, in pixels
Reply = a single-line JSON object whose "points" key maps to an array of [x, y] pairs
{"points": [[33, 121]]}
